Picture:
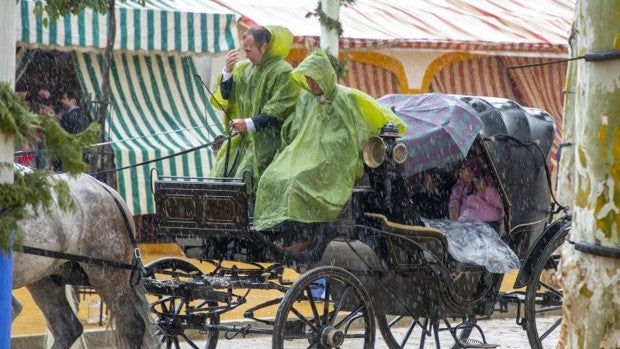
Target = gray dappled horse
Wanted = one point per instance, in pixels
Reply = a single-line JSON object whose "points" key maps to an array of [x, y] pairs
{"points": [[96, 229]]}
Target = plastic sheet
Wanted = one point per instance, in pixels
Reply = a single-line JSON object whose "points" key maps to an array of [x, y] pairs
{"points": [[476, 243]]}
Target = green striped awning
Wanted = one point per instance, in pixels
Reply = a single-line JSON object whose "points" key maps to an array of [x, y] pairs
{"points": [[158, 108], [196, 26]]}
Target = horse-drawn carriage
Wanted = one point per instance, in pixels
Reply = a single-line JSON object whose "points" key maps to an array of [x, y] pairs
{"points": [[372, 266]]}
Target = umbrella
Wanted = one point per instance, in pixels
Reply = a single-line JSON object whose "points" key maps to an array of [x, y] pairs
{"points": [[441, 128]]}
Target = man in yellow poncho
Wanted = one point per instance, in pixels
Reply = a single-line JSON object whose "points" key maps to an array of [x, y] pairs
{"points": [[256, 94], [313, 176]]}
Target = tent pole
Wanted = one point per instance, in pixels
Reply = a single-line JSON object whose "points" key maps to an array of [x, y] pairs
{"points": [[329, 37]]}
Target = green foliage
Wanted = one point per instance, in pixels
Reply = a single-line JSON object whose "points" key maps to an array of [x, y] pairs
{"points": [[340, 66], [325, 20], [36, 188], [67, 147], [55, 9], [15, 119]]}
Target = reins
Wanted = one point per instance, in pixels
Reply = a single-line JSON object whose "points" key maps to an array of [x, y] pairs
{"points": [[76, 258]]}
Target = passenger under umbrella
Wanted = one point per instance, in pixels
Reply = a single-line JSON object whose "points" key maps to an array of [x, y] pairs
{"points": [[474, 196]]}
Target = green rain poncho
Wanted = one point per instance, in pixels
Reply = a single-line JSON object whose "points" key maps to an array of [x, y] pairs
{"points": [[313, 176], [266, 88]]}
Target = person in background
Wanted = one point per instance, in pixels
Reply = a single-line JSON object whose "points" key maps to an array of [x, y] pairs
{"points": [[474, 197], [27, 153], [73, 120], [432, 199], [257, 95]]}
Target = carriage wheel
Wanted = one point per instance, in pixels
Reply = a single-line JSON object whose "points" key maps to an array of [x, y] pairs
{"points": [[401, 332], [173, 313], [326, 307], [543, 297]]}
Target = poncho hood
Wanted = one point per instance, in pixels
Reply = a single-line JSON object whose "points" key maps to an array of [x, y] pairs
{"points": [[318, 67], [280, 43]]}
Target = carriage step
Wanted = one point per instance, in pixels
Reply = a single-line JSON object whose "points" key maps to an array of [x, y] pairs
{"points": [[474, 343]]}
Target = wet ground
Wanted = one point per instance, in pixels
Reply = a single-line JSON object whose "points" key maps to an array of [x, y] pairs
{"points": [[503, 332]]}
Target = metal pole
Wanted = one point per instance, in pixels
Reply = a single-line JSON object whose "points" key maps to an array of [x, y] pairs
{"points": [[6, 285], [8, 14]]}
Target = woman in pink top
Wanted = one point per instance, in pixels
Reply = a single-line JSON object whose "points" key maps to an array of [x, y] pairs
{"points": [[474, 197]]}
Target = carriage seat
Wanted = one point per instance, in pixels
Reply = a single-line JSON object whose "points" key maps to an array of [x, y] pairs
{"points": [[426, 244], [430, 240]]}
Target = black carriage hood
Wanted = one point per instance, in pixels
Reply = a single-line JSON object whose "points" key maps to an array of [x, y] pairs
{"points": [[520, 167]]}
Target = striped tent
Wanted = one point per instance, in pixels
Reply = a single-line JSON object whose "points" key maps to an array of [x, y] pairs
{"points": [[197, 26], [159, 107]]}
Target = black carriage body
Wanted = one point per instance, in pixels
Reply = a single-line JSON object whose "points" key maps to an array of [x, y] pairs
{"points": [[514, 144], [413, 266], [522, 170]]}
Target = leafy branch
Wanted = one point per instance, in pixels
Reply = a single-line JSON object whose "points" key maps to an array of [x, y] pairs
{"points": [[55, 9], [36, 188], [340, 66], [325, 20]]}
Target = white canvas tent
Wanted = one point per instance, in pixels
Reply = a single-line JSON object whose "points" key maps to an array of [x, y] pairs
{"points": [[158, 105], [449, 46]]}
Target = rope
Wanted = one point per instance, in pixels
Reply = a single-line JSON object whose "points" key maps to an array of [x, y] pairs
{"points": [[589, 57], [165, 157]]}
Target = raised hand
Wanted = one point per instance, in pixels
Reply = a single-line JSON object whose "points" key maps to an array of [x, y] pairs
{"points": [[232, 57]]}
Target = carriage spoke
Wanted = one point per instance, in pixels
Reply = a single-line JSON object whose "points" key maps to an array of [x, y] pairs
{"points": [[548, 309], [551, 289], [326, 298], [339, 305], [350, 317], [304, 319], [189, 341], [408, 333], [315, 312], [550, 329]]}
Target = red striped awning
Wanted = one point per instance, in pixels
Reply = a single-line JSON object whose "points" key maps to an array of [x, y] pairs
{"points": [[474, 25], [537, 86]]}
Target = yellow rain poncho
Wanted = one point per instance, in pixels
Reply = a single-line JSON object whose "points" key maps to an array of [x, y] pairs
{"points": [[313, 176], [265, 88]]}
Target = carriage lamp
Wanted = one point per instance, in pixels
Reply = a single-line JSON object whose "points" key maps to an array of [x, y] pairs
{"points": [[389, 130], [374, 152], [400, 153]]}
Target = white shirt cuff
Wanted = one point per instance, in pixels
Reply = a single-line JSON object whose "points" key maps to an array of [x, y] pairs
{"points": [[249, 124], [226, 75]]}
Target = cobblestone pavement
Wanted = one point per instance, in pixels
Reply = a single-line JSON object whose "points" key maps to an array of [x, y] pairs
{"points": [[504, 332]]}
